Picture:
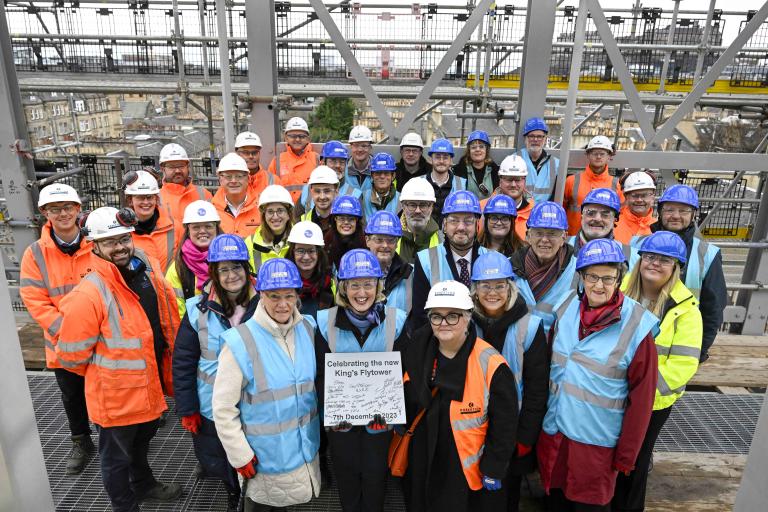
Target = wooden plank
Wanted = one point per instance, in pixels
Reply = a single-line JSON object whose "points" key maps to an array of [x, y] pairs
{"points": [[732, 390], [745, 372], [739, 340], [32, 346]]}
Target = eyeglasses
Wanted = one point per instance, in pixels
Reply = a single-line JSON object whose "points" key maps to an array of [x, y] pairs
{"points": [[677, 211], [252, 154], [58, 210], [296, 136], [112, 244], [412, 207], [175, 167], [224, 271], [240, 176], [488, 288], [551, 234], [453, 221], [512, 179], [663, 261], [594, 278], [368, 286], [346, 219], [603, 214], [412, 151], [305, 252], [450, 319], [383, 239], [499, 219], [536, 137], [638, 195], [280, 212], [442, 157]]}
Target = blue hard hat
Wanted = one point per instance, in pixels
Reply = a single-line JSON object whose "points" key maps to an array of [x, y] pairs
{"points": [[278, 273], [334, 149], [680, 194], [603, 196], [346, 205], [535, 123], [600, 251], [359, 263], [384, 223], [383, 162], [227, 247], [478, 135], [547, 214], [500, 205], [441, 146], [665, 243], [492, 265], [461, 201]]}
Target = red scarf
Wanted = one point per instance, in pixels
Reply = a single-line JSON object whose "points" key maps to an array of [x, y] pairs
{"points": [[596, 319], [542, 277], [311, 289], [196, 260]]}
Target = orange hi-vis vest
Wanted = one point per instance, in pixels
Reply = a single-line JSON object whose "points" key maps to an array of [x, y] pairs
{"points": [[162, 242], [47, 276], [248, 218], [577, 186], [522, 218], [294, 170], [106, 337], [630, 225], [260, 180], [177, 197]]}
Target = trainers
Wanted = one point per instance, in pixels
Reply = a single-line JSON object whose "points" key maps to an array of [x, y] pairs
{"points": [[163, 492], [82, 450]]}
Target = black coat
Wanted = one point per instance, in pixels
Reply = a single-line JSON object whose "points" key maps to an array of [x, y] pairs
{"points": [[402, 176]]}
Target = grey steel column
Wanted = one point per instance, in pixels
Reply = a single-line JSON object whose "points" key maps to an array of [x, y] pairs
{"points": [[262, 73], [226, 79], [756, 271], [704, 41], [670, 41], [753, 493], [537, 53]]}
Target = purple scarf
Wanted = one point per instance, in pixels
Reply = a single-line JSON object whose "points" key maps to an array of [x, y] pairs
{"points": [[196, 260]]}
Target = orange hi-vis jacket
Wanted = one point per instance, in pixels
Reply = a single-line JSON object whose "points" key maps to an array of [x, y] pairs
{"points": [[47, 275], [260, 180], [294, 170], [577, 186], [177, 197], [106, 337], [248, 218], [162, 243], [630, 225]]}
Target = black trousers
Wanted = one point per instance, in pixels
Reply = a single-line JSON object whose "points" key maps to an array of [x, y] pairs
{"points": [[360, 467], [630, 490], [557, 502], [512, 486], [72, 388], [125, 469], [252, 506], [212, 457]]}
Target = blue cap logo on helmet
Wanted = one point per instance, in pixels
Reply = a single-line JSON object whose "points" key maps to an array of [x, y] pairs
{"points": [[277, 274], [227, 247], [201, 211], [308, 233], [600, 251]]}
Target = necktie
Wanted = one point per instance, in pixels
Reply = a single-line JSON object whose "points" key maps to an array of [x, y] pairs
{"points": [[464, 272]]}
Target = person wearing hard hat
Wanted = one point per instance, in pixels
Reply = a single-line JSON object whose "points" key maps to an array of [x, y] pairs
{"points": [[599, 214], [228, 300], [118, 329], [157, 232], [382, 196], [636, 215], [178, 190], [512, 183], [600, 151], [412, 163], [237, 208], [347, 226], [335, 155], [271, 239], [420, 230], [442, 177], [358, 172], [703, 273], [497, 230], [248, 146], [454, 258], [655, 281], [273, 439], [546, 269], [382, 235], [477, 166], [542, 167], [50, 268], [189, 270], [294, 165], [305, 249], [359, 323], [323, 188], [460, 451], [502, 319], [602, 383]]}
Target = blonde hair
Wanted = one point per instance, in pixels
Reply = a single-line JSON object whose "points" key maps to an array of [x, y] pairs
{"points": [[341, 293], [512, 293], [634, 289]]}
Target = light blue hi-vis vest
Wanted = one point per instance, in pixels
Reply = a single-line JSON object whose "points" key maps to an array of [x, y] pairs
{"points": [[401, 296], [278, 406], [369, 209], [345, 190], [556, 297], [540, 183], [588, 385], [518, 340], [434, 261], [700, 259], [380, 339], [352, 184], [209, 327], [628, 250]]}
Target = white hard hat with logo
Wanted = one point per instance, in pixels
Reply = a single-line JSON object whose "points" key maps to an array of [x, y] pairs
{"points": [[600, 142], [57, 193], [513, 165], [449, 294], [306, 232], [247, 139], [323, 174], [360, 133], [296, 123], [200, 211], [232, 162], [418, 189], [638, 181], [275, 194], [144, 185], [104, 222], [171, 152], [412, 139]]}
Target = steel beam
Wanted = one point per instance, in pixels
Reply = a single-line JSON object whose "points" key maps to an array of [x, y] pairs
{"points": [[670, 40], [582, 122], [226, 79], [704, 45], [753, 493]]}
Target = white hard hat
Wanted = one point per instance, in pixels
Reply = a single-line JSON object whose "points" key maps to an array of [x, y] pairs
{"points": [[306, 232], [144, 185], [57, 193], [360, 133], [323, 174], [200, 211], [232, 162], [171, 152], [103, 223], [638, 181], [275, 194], [296, 123], [449, 294], [600, 142], [418, 189], [247, 139], [412, 139], [513, 165]]}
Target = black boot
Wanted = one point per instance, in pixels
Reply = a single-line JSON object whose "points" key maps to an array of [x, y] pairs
{"points": [[233, 500], [82, 451]]}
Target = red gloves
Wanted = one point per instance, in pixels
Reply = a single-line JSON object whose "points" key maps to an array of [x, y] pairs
{"points": [[249, 470], [191, 423], [523, 449], [622, 469]]}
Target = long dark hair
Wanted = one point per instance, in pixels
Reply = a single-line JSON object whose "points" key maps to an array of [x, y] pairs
{"points": [[266, 232], [322, 269], [338, 244], [186, 276], [221, 295], [512, 242]]}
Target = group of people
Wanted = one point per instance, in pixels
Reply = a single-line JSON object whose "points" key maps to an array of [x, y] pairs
{"points": [[533, 334]]}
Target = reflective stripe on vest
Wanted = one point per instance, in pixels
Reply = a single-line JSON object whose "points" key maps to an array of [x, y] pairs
{"points": [[458, 184], [698, 266], [390, 330], [200, 192], [575, 205], [55, 291], [561, 292]]}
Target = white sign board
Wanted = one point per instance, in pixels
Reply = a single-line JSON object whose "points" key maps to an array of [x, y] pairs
{"points": [[359, 385]]}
